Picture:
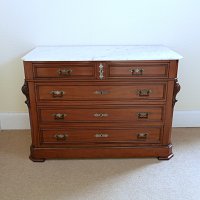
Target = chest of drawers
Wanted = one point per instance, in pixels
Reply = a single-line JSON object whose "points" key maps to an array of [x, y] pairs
{"points": [[101, 102]]}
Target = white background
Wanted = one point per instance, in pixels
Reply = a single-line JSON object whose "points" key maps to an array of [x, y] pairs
{"points": [[26, 24]]}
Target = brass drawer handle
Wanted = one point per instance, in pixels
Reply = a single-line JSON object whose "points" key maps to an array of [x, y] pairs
{"points": [[102, 92], [101, 135], [143, 115], [59, 116], [144, 92], [142, 136], [137, 71], [57, 93], [101, 115], [64, 72], [61, 137]]}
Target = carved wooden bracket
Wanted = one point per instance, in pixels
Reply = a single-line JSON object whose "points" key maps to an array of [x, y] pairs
{"points": [[25, 91], [177, 88]]}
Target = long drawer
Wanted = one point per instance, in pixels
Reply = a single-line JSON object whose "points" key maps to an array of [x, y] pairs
{"points": [[101, 135], [136, 91], [130, 114]]}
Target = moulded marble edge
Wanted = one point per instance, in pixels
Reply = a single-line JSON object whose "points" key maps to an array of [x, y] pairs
{"points": [[101, 53]]}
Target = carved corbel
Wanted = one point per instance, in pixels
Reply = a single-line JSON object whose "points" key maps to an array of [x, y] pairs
{"points": [[25, 91], [177, 88]]}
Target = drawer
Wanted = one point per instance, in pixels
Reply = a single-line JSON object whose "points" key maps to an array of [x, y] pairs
{"points": [[117, 114], [101, 135], [137, 70], [144, 91], [69, 70]]}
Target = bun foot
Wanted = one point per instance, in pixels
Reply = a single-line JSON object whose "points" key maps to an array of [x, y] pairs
{"points": [[36, 159], [166, 158]]}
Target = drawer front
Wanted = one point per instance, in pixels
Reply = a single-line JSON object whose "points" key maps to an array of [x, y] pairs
{"points": [[65, 70], [70, 135], [134, 70], [131, 114], [112, 92]]}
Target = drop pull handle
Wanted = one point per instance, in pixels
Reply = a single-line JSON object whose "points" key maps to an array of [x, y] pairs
{"points": [[64, 72], [60, 137], [59, 116], [57, 93], [137, 71], [144, 92], [142, 136], [143, 115]]}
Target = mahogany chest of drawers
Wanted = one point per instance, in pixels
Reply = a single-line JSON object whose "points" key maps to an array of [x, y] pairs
{"points": [[101, 106]]}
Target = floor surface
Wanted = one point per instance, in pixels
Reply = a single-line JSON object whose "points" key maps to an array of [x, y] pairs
{"points": [[100, 179]]}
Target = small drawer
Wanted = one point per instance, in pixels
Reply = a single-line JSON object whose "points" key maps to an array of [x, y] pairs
{"points": [[139, 114], [140, 91], [101, 135], [137, 70], [66, 70]]}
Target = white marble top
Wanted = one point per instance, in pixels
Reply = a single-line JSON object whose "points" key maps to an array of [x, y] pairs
{"points": [[101, 53]]}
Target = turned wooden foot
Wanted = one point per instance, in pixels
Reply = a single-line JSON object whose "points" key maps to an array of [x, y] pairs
{"points": [[167, 157]]}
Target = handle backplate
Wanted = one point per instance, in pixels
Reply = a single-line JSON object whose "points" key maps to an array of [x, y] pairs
{"points": [[101, 135], [100, 115], [101, 71], [101, 92]]}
